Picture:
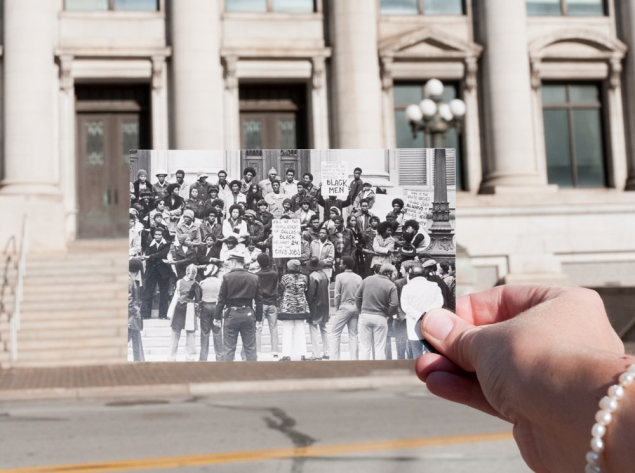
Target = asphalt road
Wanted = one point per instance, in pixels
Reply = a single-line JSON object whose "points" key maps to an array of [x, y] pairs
{"points": [[382, 430]]}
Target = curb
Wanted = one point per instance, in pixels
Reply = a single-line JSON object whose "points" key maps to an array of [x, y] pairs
{"points": [[204, 389]]}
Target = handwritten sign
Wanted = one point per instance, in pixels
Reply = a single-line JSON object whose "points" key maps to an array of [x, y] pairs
{"points": [[418, 204], [335, 178], [286, 241]]}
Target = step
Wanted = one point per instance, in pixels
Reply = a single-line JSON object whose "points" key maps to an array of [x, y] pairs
{"points": [[75, 314], [119, 293], [48, 306], [54, 345], [70, 333], [75, 270], [73, 360], [70, 279], [87, 287], [108, 322]]}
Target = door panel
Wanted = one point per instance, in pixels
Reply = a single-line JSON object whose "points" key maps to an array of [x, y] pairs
{"points": [[103, 169]]}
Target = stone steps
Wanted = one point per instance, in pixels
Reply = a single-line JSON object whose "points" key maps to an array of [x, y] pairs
{"points": [[74, 310]]}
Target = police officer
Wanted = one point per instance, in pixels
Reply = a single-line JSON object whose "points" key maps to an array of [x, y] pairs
{"points": [[240, 302]]}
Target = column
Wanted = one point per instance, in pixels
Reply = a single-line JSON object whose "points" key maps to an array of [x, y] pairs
{"points": [[31, 159], [616, 124], [319, 109], [197, 74], [472, 136], [232, 106], [388, 103], [356, 84], [160, 131], [627, 14], [511, 156], [67, 142]]}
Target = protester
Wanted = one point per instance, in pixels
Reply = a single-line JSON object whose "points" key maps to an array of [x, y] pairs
{"points": [[355, 187], [236, 197], [376, 300], [290, 186], [182, 311], [254, 195], [160, 188], [240, 305], [383, 245], [396, 216], [324, 251], [430, 272], [265, 184], [418, 297], [135, 321], [142, 183], [311, 191], [157, 274], [235, 224], [366, 194], [317, 296], [268, 277], [447, 272], [275, 199], [201, 185], [210, 288], [294, 310], [347, 313], [182, 256], [248, 175], [188, 227]]}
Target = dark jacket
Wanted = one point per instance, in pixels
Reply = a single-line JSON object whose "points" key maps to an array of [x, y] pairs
{"points": [[239, 288], [269, 285], [449, 298], [156, 254], [333, 202], [182, 259], [177, 204], [208, 257], [135, 322], [317, 296]]}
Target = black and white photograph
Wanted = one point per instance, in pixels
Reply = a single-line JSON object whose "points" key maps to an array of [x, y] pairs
{"points": [[288, 255]]}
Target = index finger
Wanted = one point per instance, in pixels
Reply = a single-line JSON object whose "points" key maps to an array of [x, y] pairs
{"points": [[503, 302]]}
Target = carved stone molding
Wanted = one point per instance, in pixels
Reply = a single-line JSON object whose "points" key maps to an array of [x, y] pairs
{"points": [[536, 77], [471, 68], [386, 73], [231, 79], [158, 69], [317, 77], [615, 74], [66, 75]]}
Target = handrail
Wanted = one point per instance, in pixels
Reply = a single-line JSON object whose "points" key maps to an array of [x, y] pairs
{"points": [[20, 265]]}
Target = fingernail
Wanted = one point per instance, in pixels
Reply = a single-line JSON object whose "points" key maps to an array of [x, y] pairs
{"points": [[437, 325]]}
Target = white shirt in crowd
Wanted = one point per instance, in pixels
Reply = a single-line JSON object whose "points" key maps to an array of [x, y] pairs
{"points": [[417, 297], [289, 188]]}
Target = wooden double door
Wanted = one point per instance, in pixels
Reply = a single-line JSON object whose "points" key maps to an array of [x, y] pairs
{"points": [[110, 122]]}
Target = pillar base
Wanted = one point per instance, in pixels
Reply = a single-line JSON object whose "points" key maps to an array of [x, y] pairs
{"points": [[30, 189], [630, 184], [496, 183]]}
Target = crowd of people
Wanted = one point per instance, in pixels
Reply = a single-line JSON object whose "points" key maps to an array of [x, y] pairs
{"points": [[206, 249]]}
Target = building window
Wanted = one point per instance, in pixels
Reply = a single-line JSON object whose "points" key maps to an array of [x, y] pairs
{"points": [[409, 93], [566, 7], [105, 5], [574, 135], [422, 7], [262, 6]]}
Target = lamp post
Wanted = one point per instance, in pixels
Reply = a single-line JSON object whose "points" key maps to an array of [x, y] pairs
{"points": [[434, 118]]}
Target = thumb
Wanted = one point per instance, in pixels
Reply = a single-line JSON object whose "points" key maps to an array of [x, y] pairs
{"points": [[452, 336]]}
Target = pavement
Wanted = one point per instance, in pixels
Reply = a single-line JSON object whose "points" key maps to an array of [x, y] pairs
{"points": [[371, 430], [200, 379], [196, 379]]}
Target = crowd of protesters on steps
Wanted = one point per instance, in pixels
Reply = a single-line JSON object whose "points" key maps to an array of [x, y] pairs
{"points": [[204, 252]]}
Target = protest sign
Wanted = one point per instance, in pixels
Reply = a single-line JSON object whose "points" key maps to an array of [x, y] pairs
{"points": [[286, 238], [418, 204], [335, 178]]}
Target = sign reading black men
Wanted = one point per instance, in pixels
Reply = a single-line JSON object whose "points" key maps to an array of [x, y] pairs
{"points": [[286, 238], [335, 178]]}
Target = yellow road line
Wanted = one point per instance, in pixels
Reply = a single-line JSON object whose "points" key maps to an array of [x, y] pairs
{"points": [[260, 455]]}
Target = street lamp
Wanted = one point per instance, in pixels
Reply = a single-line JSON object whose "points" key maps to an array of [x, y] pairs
{"points": [[433, 117]]}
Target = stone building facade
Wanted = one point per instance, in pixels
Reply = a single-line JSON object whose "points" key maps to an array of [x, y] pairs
{"points": [[546, 158]]}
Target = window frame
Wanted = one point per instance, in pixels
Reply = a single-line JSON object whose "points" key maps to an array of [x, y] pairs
{"points": [[111, 8], [604, 132], [564, 11], [317, 8], [421, 9], [460, 169]]}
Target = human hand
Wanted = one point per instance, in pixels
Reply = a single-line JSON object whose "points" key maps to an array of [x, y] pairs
{"points": [[217, 323], [538, 357], [258, 325]]}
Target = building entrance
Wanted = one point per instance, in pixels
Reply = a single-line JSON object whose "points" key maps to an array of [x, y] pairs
{"points": [[111, 120]]}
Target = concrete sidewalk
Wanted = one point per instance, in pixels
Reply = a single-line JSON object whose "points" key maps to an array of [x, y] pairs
{"points": [[198, 379]]}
